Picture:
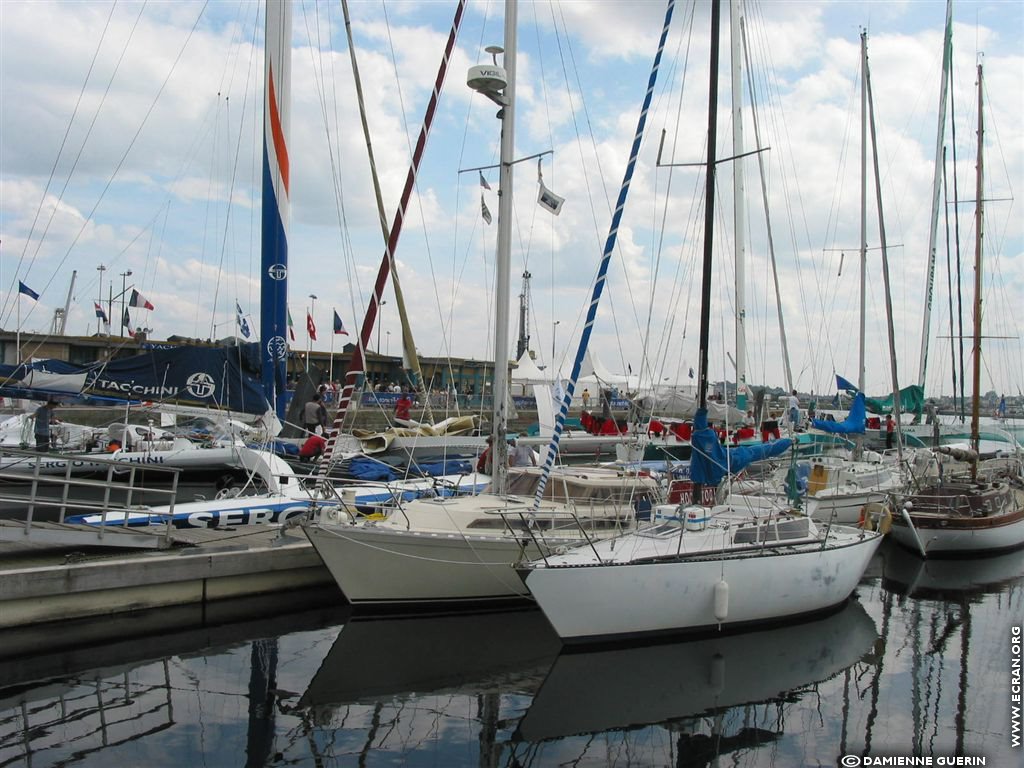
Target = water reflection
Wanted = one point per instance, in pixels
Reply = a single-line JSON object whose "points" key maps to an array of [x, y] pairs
{"points": [[916, 665]]}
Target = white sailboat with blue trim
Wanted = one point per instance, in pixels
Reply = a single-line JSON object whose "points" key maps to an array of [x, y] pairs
{"points": [[695, 568]]}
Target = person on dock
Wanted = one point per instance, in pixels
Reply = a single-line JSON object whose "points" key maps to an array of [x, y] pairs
{"points": [[890, 425], [586, 399], [793, 412], [45, 416]]}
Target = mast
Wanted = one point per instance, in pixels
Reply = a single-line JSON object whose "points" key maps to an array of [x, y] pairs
{"points": [[863, 204], [409, 353], [768, 223], [738, 211], [891, 332], [276, 205], [606, 257], [709, 225], [978, 221], [356, 365], [503, 267], [929, 284], [709, 214]]}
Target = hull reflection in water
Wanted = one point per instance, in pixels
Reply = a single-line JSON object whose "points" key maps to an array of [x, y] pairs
{"points": [[646, 685], [469, 654]]}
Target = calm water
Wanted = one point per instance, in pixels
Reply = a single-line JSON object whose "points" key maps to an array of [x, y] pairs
{"points": [[918, 664]]}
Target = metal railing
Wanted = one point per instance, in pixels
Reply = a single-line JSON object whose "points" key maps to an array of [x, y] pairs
{"points": [[77, 479]]}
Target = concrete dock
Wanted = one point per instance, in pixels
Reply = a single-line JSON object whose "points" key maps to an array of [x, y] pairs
{"points": [[45, 583]]}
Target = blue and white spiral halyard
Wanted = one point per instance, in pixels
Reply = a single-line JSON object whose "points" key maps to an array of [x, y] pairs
{"points": [[602, 274]]}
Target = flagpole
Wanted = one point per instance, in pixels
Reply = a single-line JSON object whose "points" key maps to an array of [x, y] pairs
{"points": [[18, 341], [330, 374]]}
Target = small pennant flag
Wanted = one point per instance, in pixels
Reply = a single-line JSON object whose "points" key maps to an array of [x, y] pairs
{"points": [[101, 314], [310, 327], [338, 326], [483, 209], [243, 324], [291, 326], [22, 288], [138, 300], [547, 199], [483, 181], [126, 321]]}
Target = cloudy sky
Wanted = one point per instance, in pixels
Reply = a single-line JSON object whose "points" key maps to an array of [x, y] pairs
{"points": [[130, 137]]}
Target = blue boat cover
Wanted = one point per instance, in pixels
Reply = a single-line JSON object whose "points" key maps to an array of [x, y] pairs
{"points": [[218, 377], [711, 460], [854, 422]]}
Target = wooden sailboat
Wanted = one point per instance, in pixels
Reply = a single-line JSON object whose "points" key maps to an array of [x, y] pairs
{"points": [[982, 509], [698, 569]]}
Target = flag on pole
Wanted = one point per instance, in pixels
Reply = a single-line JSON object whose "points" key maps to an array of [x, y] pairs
{"points": [[483, 181], [338, 326], [126, 321], [22, 288], [243, 324], [138, 300], [483, 209], [310, 327], [101, 314], [291, 326], [845, 385], [547, 199]]}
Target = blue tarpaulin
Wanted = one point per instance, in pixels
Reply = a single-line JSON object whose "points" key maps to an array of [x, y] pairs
{"points": [[711, 460], [853, 424]]}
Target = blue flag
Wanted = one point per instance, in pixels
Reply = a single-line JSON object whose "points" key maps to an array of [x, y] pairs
{"points": [[22, 288], [243, 324], [844, 385]]}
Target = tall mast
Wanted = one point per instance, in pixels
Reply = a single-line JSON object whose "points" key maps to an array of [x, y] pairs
{"points": [[503, 270], [863, 204], [709, 214], [890, 329], [356, 366], [929, 284], [787, 368], [979, 220], [276, 205], [738, 211], [606, 257], [409, 354]]}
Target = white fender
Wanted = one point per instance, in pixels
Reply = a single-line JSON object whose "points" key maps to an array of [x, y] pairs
{"points": [[721, 600]]}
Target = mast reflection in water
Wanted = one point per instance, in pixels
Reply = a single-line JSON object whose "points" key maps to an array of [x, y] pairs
{"points": [[916, 665]]}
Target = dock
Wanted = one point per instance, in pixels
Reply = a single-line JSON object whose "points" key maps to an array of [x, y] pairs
{"points": [[42, 582]]}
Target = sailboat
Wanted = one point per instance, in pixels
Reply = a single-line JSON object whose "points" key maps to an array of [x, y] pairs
{"points": [[447, 552], [701, 569], [982, 509]]}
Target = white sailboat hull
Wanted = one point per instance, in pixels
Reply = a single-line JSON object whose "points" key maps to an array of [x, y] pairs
{"points": [[961, 539], [685, 593], [380, 566]]}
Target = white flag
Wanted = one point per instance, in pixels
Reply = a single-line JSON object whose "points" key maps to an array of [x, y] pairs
{"points": [[549, 200], [483, 181], [483, 209]]}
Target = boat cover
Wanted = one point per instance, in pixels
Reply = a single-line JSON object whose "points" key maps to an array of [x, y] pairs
{"points": [[711, 460]]}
